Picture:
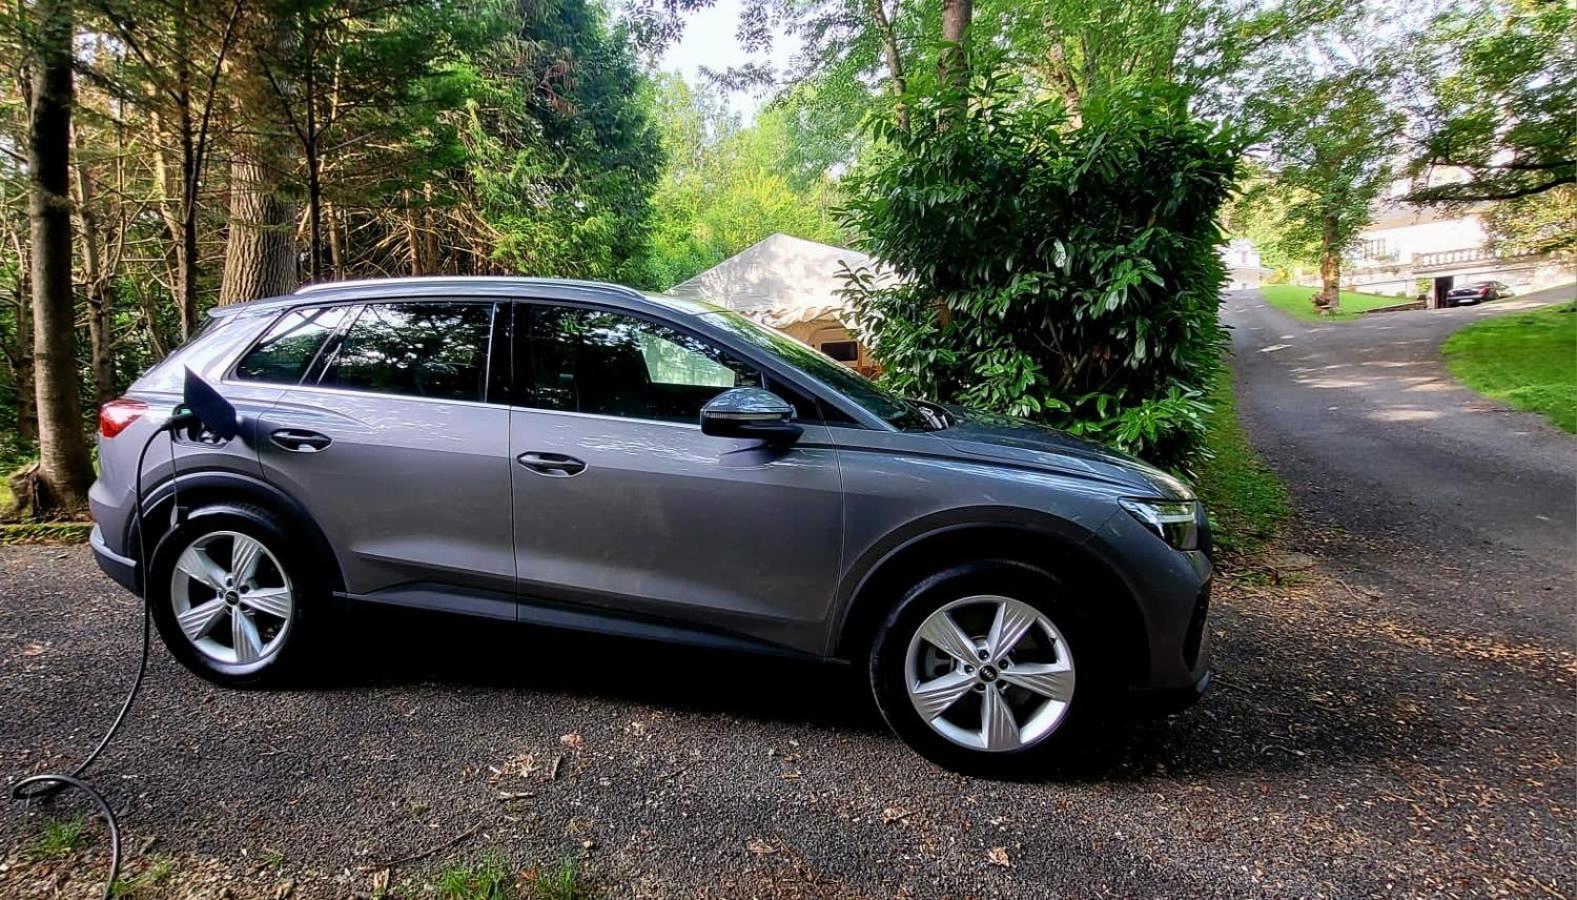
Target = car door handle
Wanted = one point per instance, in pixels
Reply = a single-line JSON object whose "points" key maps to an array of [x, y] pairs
{"points": [[554, 465], [297, 440]]}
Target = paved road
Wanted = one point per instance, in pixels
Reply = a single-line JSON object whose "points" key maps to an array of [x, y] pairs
{"points": [[1446, 495]]}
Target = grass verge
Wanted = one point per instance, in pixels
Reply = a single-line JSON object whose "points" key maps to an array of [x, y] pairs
{"points": [[1247, 502], [493, 878], [1527, 361], [1296, 301], [45, 533]]}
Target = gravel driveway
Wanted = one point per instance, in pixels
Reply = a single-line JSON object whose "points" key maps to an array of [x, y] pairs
{"points": [[1349, 750]]}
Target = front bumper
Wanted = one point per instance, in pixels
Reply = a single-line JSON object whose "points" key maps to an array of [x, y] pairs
{"points": [[120, 568], [1164, 701], [1171, 589]]}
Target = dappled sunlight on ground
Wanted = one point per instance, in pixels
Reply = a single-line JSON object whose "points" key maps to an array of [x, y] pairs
{"points": [[1403, 415], [1331, 383]]}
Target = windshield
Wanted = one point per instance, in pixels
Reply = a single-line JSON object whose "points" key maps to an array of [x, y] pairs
{"points": [[891, 408]]}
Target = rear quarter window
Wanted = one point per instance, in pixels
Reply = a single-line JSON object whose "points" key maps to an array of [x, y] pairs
{"points": [[437, 350], [287, 349]]}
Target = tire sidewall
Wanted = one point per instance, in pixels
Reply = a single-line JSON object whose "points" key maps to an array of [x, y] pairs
{"points": [[306, 584], [1047, 594]]}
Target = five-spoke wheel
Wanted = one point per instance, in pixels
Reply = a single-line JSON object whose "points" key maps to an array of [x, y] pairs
{"points": [[990, 673], [237, 595], [231, 598], [988, 667]]}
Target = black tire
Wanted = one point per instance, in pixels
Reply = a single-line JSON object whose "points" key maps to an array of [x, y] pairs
{"points": [[285, 663], [1047, 594]]}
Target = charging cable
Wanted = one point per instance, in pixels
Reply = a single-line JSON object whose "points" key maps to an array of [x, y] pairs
{"points": [[48, 784]]}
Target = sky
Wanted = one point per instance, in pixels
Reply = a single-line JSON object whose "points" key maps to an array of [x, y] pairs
{"points": [[709, 41]]}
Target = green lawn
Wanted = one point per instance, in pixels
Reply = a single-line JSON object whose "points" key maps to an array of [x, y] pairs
{"points": [[1527, 361], [1295, 300], [1247, 502]]}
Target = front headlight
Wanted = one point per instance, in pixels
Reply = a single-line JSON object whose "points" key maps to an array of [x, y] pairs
{"points": [[1173, 521]]}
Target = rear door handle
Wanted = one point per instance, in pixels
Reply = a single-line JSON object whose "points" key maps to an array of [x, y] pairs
{"points": [[298, 440], [554, 465]]}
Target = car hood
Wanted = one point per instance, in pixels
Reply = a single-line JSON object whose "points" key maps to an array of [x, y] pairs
{"points": [[1002, 438]]}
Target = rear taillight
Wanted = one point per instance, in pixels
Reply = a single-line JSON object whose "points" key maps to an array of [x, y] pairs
{"points": [[116, 415]]}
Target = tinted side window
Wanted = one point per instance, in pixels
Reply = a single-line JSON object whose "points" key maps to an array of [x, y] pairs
{"points": [[434, 350], [591, 361], [288, 348]]}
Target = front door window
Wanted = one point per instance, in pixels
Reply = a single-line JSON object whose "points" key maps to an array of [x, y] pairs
{"points": [[605, 363]]}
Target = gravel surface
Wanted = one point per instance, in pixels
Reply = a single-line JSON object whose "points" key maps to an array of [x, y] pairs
{"points": [[1348, 750], [1394, 715]]}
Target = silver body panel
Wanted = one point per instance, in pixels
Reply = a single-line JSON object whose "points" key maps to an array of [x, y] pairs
{"points": [[423, 502]]}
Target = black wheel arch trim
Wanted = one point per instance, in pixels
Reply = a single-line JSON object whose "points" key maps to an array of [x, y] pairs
{"points": [[855, 604], [212, 491]]}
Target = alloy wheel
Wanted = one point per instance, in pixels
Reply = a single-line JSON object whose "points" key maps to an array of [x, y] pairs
{"points": [[232, 598], [990, 673]]}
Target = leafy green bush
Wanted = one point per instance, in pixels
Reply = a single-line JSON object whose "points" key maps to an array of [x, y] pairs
{"points": [[1063, 271]]}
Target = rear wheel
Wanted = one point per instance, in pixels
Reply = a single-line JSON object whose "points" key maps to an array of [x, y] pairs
{"points": [[232, 598], [987, 668]]}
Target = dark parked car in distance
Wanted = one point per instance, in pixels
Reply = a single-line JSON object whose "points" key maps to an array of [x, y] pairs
{"points": [[585, 456], [1478, 292]]}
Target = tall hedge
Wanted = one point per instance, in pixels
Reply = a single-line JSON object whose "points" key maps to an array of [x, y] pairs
{"points": [[1067, 272]]}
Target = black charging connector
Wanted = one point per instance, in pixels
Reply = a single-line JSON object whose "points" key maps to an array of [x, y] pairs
{"points": [[48, 784]]}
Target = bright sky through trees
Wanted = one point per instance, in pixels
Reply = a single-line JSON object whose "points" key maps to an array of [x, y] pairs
{"points": [[710, 41]]}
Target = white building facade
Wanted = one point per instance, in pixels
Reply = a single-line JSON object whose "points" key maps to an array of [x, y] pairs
{"points": [[1412, 251], [1241, 259]]}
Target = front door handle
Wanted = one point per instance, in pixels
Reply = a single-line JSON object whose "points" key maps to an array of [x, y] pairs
{"points": [[554, 465], [298, 440]]}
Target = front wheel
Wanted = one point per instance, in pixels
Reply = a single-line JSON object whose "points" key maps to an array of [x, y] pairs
{"points": [[987, 668], [231, 597]]}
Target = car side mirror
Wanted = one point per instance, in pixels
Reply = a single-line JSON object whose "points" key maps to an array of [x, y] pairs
{"points": [[750, 412]]}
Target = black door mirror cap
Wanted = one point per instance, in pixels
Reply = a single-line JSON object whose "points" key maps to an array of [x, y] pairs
{"points": [[750, 412]]}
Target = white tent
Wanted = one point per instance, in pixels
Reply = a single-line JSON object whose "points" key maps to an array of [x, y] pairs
{"points": [[780, 281]]}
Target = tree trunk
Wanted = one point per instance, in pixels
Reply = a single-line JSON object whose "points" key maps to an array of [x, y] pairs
{"points": [[954, 60], [336, 241], [65, 469], [172, 211], [96, 281], [314, 212], [309, 144], [1061, 76], [895, 71], [21, 359], [260, 250], [430, 230], [413, 238], [1328, 300], [260, 247]]}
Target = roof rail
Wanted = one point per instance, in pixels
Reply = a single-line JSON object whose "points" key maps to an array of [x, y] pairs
{"points": [[523, 280], [409, 279]]}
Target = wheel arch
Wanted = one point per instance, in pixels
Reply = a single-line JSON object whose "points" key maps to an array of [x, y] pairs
{"points": [[217, 490], [1056, 546]]}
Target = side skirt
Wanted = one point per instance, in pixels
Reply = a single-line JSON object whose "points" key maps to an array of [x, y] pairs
{"points": [[547, 614]]}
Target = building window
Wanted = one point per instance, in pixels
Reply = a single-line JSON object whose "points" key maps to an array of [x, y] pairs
{"points": [[842, 351], [1375, 249]]}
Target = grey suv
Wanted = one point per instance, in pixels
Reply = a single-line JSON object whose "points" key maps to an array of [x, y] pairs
{"points": [[585, 456]]}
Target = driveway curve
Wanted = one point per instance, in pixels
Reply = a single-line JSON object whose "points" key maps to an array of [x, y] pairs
{"points": [[1466, 506]]}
